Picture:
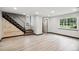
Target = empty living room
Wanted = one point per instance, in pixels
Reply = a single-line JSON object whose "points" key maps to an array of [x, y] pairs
{"points": [[39, 28]]}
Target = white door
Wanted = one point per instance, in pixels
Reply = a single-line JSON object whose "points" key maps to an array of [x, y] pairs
{"points": [[45, 25]]}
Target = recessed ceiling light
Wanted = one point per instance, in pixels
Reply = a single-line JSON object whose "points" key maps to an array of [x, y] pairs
{"points": [[52, 11], [36, 13], [75, 9], [15, 8]]}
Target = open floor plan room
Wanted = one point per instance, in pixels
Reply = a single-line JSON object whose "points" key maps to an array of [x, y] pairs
{"points": [[39, 29]]}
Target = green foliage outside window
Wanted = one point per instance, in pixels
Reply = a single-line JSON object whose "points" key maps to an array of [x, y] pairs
{"points": [[68, 23]]}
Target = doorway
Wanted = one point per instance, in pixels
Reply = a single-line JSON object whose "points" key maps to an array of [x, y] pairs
{"points": [[45, 25]]}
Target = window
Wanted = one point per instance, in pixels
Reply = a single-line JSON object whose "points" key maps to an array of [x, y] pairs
{"points": [[68, 23]]}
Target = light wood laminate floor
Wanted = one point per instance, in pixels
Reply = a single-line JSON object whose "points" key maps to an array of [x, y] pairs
{"points": [[45, 42]]}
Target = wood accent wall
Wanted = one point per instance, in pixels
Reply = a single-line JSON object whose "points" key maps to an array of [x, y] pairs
{"points": [[10, 30]]}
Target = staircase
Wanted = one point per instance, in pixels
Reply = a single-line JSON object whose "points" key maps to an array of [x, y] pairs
{"points": [[20, 27], [29, 32]]}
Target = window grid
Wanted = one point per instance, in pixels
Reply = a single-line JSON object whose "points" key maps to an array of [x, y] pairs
{"points": [[68, 23]]}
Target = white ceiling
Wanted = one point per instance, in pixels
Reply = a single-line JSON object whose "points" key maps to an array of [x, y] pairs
{"points": [[42, 11]]}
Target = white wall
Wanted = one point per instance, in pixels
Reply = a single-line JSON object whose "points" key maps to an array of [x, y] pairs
{"points": [[27, 23], [53, 25], [0, 25], [33, 22], [36, 23]]}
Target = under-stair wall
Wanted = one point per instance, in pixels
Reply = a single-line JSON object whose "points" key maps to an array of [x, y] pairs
{"points": [[0, 25], [9, 29], [12, 26]]}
